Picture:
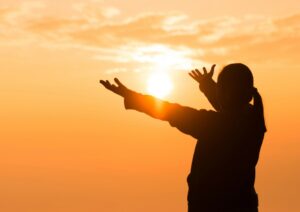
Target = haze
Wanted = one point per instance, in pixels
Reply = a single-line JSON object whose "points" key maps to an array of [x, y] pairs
{"points": [[66, 144]]}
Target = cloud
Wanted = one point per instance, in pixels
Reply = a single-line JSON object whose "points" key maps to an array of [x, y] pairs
{"points": [[151, 37]]}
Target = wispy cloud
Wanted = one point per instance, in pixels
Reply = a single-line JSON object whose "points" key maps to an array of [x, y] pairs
{"points": [[152, 37]]}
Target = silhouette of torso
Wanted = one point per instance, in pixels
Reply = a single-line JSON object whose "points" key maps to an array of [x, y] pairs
{"points": [[223, 167]]}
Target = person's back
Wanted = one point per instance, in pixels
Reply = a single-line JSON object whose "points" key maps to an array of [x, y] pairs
{"points": [[223, 168], [229, 139]]}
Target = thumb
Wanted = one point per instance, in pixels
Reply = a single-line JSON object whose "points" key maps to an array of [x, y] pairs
{"points": [[212, 70], [119, 83]]}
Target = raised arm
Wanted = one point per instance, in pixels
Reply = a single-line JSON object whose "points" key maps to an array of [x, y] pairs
{"points": [[144, 103], [207, 85], [186, 119]]}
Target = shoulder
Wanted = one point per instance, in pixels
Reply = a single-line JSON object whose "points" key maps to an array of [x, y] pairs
{"points": [[209, 113], [210, 117]]}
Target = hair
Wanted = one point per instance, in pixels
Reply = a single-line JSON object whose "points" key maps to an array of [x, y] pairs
{"points": [[235, 86]]}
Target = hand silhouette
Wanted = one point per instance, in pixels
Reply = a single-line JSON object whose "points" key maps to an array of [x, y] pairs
{"points": [[207, 85], [199, 77], [120, 89]]}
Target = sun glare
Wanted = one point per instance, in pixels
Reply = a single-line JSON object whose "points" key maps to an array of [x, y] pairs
{"points": [[159, 85], [162, 60]]}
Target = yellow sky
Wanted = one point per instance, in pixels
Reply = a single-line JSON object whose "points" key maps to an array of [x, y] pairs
{"points": [[66, 144]]}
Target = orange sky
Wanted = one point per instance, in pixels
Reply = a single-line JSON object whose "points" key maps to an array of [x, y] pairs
{"points": [[66, 144]]}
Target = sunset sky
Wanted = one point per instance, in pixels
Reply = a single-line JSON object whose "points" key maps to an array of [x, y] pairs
{"points": [[68, 145]]}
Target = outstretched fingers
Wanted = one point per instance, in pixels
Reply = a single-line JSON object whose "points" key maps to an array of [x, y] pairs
{"points": [[196, 75], [117, 88], [118, 82], [193, 75], [102, 82], [106, 83], [201, 76], [212, 70]]}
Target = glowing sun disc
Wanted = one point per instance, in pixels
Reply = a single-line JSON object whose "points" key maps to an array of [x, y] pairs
{"points": [[159, 85]]}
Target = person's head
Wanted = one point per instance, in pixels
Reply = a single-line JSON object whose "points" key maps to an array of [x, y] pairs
{"points": [[234, 86]]}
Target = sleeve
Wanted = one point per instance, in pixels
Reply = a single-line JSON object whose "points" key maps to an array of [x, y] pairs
{"points": [[209, 87], [188, 120]]}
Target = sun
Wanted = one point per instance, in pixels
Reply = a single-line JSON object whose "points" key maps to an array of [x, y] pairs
{"points": [[159, 84]]}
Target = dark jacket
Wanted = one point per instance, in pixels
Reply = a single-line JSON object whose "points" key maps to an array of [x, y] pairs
{"points": [[226, 153]]}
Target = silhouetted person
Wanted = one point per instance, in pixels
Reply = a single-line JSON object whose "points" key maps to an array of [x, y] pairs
{"points": [[229, 139]]}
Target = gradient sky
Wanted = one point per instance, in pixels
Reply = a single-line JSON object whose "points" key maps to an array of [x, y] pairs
{"points": [[66, 144]]}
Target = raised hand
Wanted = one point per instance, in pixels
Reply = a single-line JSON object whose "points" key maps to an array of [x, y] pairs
{"points": [[206, 84], [119, 89], [199, 77]]}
